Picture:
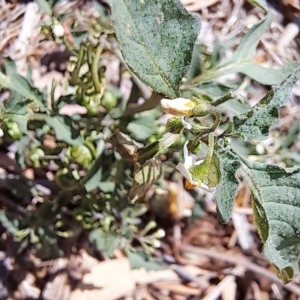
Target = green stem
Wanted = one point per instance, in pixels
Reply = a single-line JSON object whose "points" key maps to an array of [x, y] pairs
{"points": [[50, 157], [218, 117], [75, 73], [52, 99], [223, 99], [94, 70], [204, 109]]}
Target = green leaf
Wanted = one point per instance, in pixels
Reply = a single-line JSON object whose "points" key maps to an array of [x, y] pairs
{"points": [[144, 178], [228, 186], [145, 124], [16, 104], [157, 147], [247, 46], [23, 143], [234, 107], [94, 175], [105, 242], [5, 82], [213, 89], [21, 85], [261, 3], [291, 138], [276, 206], [44, 7], [107, 186], [157, 40], [139, 259], [143, 127], [64, 129], [133, 212], [8, 224], [255, 123], [263, 75], [244, 52], [242, 60]]}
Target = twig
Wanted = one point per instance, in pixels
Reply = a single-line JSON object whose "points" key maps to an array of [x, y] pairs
{"points": [[236, 260], [217, 291]]}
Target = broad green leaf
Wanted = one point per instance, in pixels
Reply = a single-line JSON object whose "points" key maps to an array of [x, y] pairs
{"points": [[261, 3], [228, 186], [44, 6], [5, 82], [264, 75], [143, 127], [291, 138], [144, 124], [255, 123], [195, 67], [157, 40], [16, 104], [276, 205], [6, 223], [144, 178], [139, 259], [107, 186], [242, 60], [234, 107], [64, 129], [133, 212], [247, 46], [23, 143], [94, 175], [212, 89], [21, 85], [105, 242]]}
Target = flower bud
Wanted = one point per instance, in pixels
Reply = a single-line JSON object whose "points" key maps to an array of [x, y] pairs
{"points": [[178, 107], [81, 154], [160, 233], [174, 125], [58, 30]]}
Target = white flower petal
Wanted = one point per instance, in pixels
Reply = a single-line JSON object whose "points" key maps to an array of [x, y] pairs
{"points": [[186, 124], [184, 171], [199, 162], [185, 150], [207, 189]]}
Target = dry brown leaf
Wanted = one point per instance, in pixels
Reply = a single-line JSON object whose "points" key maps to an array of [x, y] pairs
{"points": [[196, 5], [229, 293], [141, 276], [108, 280], [218, 290], [177, 288]]}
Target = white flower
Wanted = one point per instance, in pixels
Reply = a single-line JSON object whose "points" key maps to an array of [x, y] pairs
{"points": [[179, 106], [160, 233], [260, 148], [156, 243], [183, 168], [58, 30]]}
